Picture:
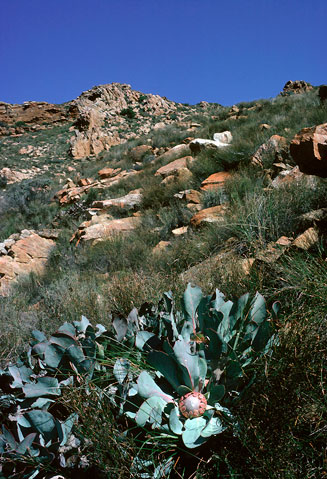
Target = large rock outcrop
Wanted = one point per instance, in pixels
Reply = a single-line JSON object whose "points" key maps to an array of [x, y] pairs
{"points": [[296, 87], [309, 150], [22, 254], [97, 109], [31, 115]]}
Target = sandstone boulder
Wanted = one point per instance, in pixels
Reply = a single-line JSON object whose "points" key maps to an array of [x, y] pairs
{"points": [[174, 166], [307, 239], [178, 151], [27, 254], [220, 140], [309, 150], [127, 202], [214, 214], [139, 152], [191, 196], [108, 172], [274, 150], [217, 180], [103, 227]]}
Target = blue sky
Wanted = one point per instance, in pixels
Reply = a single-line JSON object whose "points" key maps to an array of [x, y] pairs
{"points": [[187, 50]]}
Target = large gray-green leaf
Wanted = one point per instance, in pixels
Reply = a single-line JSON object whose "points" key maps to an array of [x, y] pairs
{"points": [[214, 426], [147, 388], [65, 428], [120, 326], [43, 422], [53, 355], [121, 369], [21, 375], [43, 387], [191, 301], [151, 410], [166, 365], [26, 443], [142, 337], [62, 339], [193, 429], [189, 363], [175, 423], [39, 335], [258, 309], [262, 336]]}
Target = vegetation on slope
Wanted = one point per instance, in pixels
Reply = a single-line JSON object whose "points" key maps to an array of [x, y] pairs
{"points": [[283, 419]]}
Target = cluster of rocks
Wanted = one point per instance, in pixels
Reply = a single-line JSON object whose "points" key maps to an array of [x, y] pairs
{"points": [[31, 115], [103, 115], [296, 87], [24, 253]]}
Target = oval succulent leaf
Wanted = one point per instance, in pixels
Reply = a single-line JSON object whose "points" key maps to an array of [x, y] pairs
{"points": [[150, 411], [148, 388], [45, 386]]}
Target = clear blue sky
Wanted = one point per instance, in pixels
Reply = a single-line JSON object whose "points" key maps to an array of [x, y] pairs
{"points": [[187, 50]]}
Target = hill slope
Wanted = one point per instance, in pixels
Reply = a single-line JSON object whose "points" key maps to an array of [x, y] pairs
{"points": [[111, 199]]}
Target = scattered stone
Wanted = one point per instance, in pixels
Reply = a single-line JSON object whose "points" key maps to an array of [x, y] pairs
{"points": [[220, 140], [191, 196], [102, 227], [296, 87], [108, 172], [22, 254], [178, 151], [174, 166], [138, 153], [276, 149], [264, 126], [307, 239], [127, 202], [217, 180], [183, 175], [161, 246], [309, 150], [180, 231], [215, 214], [85, 182], [314, 218]]}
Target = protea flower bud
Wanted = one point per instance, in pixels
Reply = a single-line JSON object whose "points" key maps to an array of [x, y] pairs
{"points": [[192, 404]]}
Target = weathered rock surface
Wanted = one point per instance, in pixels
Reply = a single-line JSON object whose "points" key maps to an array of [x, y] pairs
{"points": [[220, 140], [72, 193], [190, 196], [309, 150], [214, 214], [33, 113], [22, 254], [102, 227], [174, 166], [216, 180], [178, 151], [297, 87], [307, 239], [139, 152], [127, 202], [276, 149], [97, 108]]}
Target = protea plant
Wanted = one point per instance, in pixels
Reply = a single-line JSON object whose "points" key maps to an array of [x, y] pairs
{"points": [[193, 404]]}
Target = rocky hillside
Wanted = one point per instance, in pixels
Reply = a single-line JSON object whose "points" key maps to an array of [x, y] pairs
{"points": [[110, 200]]}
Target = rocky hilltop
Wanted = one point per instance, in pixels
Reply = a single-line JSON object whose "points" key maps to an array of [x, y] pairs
{"points": [[103, 116]]}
